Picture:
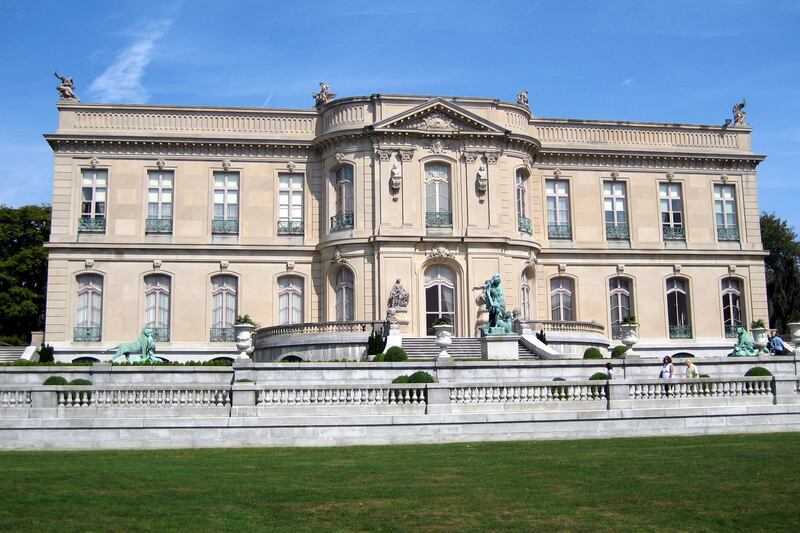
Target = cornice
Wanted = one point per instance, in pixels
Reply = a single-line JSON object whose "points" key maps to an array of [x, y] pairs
{"points": [[652, 159]]}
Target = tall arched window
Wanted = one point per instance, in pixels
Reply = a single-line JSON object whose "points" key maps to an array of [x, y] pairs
{"points": [[89, 319], [290, 300], [440, 296], [224, 291], [156, 308], [344, 295], [437, 195], [343, 190], [523, 222], [561, 299], [620, 295], [732, 316], [680, 325], [526, 294]]}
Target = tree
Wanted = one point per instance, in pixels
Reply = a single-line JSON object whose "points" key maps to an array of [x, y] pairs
{"points": [[783, 271], [23, 270]]}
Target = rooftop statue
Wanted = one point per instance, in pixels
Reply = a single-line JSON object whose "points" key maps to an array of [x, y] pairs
{"points": [[142, 350], [66, 88], [745, 345], [739, 114], [522, 98], [398, 298], [324, 95], [500, 320]]}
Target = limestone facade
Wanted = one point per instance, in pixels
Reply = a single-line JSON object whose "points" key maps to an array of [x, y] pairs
{"points": [[184, 216]]}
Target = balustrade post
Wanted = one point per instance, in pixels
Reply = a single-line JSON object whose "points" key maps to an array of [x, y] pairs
{"points": [[784, 391], [44, 403], [243, 399], [617, 395], [438, 396]]}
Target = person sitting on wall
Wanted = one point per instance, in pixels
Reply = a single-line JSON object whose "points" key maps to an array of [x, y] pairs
{"points": [[691, 370], [776, 345]]}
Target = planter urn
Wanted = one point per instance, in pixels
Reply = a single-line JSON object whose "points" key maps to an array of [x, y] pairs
{"points": [[444, 338]]}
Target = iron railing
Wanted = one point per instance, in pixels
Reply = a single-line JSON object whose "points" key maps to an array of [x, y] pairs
{"points": [[439, 219], [222, 334], [673, 233], [225, 225], [559, 231], [617, 231], [290, 227], [680, 332], [160, 334], [730, 233], [87, 334], [92, 225], [158, 225], [524, 224], [343, 220]]}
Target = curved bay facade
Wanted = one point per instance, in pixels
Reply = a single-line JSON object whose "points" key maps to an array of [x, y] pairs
{"points": [[181, 218]]}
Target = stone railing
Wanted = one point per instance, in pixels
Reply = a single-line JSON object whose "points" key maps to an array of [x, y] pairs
{"points": [[322, 327], [144, 396], [555, 391], [571, 326], [15, 398], [703, 388], [311, 395]]}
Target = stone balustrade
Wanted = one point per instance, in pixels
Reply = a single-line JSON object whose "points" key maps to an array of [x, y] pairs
{"points": [[571, 326], [554, 391], [705, 388], [15, 398], [355, 326], [396, 394], [144, 396]]}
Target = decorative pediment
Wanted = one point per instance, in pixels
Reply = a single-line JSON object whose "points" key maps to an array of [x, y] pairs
{"points": [[439, 116]]}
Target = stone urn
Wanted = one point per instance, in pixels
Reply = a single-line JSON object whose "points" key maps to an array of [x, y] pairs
{"points": [[760, 336], [629, 335], [444, 338], [244, 340]]}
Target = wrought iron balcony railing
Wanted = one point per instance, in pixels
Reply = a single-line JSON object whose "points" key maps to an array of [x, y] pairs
{"points": [[225, 225], [673, 233], [524, 224], [439, 219], [92, 225], [617, 231], [559, 231], [160, 334], [680, 332], [222, 334], [158, 225], [343, 220], [729, 233], [87, 334], [290, 227]]}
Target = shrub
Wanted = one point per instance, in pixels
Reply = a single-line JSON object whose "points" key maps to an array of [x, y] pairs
{"points": [[443, 321], [758, 371], [395, 354], [542, 337], [244, 319], [704, 376], [421, 377], [375, 343], [598, 376], [559, 379], [629, 321], [80, 381], [243, 380], [45, 353], [619, 351], [592, 353], [400, 379], [55, 380], [757, 324], [379, 358]]}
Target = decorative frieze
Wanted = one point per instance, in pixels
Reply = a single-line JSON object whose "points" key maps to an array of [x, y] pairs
{"points": [[441, 251], [659, 162], [188, 149]]}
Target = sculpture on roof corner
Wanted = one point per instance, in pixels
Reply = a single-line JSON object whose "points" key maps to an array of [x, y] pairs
{"points": [[142, 350], [522, 98], [739, 114], [66, 89], [500, 320], [324, 95]]}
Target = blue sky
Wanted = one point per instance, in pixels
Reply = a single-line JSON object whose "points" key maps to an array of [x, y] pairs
{"points": [[668, 61]]}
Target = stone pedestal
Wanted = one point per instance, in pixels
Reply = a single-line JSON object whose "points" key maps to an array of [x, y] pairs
{"points": [[403, 323], [500, 347]]}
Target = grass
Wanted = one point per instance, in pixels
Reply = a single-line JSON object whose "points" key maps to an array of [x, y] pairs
{"points": [[714, 483]]}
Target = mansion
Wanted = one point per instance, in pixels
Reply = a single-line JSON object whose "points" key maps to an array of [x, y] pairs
{"points": [[183, 218]]}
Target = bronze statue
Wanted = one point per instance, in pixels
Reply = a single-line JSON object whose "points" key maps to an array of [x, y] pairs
{"points": [[66, 88]]}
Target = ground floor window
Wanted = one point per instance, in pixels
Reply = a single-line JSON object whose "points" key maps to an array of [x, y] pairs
{"points": [[440, 296]]}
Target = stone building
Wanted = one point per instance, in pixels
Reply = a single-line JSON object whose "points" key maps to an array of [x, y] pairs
{"points": [[181, 218]]}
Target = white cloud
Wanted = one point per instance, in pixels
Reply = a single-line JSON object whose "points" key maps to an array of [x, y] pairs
{"points": [[628, 82], [122, 80]]}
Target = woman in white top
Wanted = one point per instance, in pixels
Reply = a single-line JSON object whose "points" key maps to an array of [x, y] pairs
{"points": [[667, 368]]}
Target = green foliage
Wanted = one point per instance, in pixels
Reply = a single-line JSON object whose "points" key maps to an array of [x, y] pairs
{"points": [[757, 324], [55, 380], [542, 337], [23, 270], [375, 343], [400, 379], [704, 376], [245, 319], [421, 377], [758, 371], [598, 376], [395, 354], [683, 355], [80, 381], [629, 321], [46, 353], [379, 358], [592, 353], [783, 272], [443, 321], [619, 351], [243, 380], [559, 379], [24, 362]]}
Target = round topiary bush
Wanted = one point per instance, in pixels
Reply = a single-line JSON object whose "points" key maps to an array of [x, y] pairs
{"points": [[80, 381], [592, 353], [598, 376], [704, 376], [379, 358], [559, 379], [400, 379], [619, 351], [421, 377], [395, 354], [757, 371], [55, 380]]}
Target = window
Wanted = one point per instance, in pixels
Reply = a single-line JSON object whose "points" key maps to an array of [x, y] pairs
{"points": [[437, 196], [159, 201], [523, 222], [525, 295], [290, 300], [671, 203], [616, 211], [725, 211], [558, 225], [343, 188], [561, 306], [731, 306], [224, 290], [344, 295], [621, 301], [226, 203], [89, 321], [157, 300], [440, 296], [94, 184], [680, 326], [290, 210]]}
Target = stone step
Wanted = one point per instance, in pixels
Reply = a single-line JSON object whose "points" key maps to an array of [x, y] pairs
{"points": [[461, 348]]}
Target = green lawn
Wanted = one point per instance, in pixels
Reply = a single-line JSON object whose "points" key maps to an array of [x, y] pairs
{"points": [[717, 483]]}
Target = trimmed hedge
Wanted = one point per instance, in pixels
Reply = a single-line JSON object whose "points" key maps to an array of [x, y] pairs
{"points": [[395, 354], [55, 380], [598, 376], [375, 343], [400, 379], [757, 371], [559, 379], [379, 358], [80, 381], [421, 377], [619, 351], [592, 353]]}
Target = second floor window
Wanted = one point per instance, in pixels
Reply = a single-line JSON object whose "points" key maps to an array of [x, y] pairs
{"points": [[725, 212], [561, 304], [226, 202], [437, 195], [94, 187], [558, 225], [290, 210], [159, 201], [343, 189], [616, 210], [671, 203]]}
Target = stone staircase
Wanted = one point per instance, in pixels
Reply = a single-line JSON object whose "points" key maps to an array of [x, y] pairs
{"points": [[462, 348], [9, 354]]}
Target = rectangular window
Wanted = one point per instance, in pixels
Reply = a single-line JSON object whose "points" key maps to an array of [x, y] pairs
{"points": [[159, 201], [616, 210], [558, 224], [290, 209], [226, 202], [94, 186], [671, 203], [725, 212]]}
